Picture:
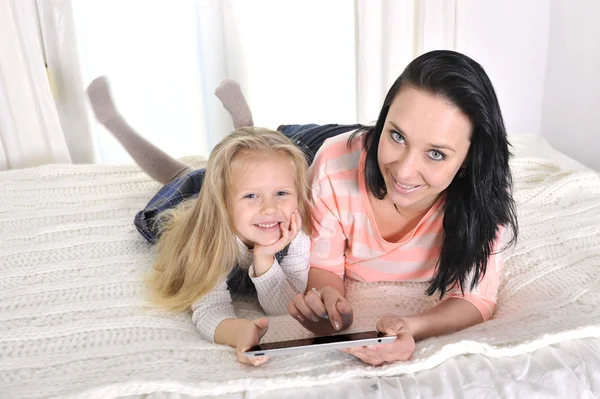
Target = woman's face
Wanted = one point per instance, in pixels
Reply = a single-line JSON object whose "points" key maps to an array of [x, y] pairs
{"points": [[424, 143]]}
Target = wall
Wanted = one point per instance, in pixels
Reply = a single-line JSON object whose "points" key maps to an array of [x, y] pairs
{"points": [[509, 39], [571, 101]]}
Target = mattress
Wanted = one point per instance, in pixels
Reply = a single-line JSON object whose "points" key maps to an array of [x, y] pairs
{"points": [[569, 369], [75, 322]]}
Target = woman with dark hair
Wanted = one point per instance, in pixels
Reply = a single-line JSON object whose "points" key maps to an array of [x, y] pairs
{"points": [[423, 195]]}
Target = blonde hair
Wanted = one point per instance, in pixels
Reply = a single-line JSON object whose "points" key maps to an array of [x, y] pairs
{"points": [[198, 247]]}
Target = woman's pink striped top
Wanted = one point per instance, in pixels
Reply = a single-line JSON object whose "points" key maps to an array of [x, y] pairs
{"points": [[346, 241]]}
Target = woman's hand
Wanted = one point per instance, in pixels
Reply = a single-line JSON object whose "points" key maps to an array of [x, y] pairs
{"points": [[264, 254], [322, 312], [399, 350], [247, 337]]}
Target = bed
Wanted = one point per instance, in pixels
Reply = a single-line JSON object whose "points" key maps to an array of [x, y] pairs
{"points": [[74, 321]]}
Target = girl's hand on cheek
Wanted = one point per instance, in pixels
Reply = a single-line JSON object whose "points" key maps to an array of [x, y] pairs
{"points": [[264, 254]]}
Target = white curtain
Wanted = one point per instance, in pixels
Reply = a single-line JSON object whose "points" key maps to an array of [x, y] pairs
{"points": [[30, 131], [64, 72], [309, 61], [508, 38], [387, 33], [295, 59]]}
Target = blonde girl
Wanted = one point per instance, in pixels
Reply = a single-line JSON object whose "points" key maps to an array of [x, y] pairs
{"points": [[253, 204], [237, 230]]}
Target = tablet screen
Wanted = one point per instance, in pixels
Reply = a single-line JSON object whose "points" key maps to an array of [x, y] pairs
{"points": [[317, 341]]}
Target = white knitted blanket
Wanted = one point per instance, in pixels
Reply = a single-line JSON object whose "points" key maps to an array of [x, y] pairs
{"points": [[73, 322]]}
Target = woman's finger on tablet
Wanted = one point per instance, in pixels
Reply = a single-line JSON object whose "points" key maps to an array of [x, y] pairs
{"points": [[314, 300], [294, 312], [334, 315], [305, 309], [345, 311]]}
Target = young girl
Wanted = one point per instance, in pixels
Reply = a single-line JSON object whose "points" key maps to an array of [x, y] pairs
{"points": [[225, 233], [253, 205], [245, 236]]}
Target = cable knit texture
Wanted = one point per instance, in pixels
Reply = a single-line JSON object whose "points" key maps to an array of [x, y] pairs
{"points": [[74, 322]]}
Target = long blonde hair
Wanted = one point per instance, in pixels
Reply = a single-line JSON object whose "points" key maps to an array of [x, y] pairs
{"points": [[198, 246]]}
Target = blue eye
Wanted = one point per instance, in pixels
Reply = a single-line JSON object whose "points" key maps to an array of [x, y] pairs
{"points": [[282, 193], [397, 137], [251, 196], [436, 155]]}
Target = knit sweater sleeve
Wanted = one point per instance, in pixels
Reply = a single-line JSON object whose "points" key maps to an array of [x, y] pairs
{"points": [[278, 286], [211, 310]]}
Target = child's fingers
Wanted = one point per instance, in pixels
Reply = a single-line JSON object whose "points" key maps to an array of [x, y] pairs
{"points": [[285, 234], [262, 325], [255, 361], [298, 221], [281, 241], [242, 358], [259, 361], [293, 223], [296, 224]]}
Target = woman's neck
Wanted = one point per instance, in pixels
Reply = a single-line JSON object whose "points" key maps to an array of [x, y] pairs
{"points": [[418, 210], [394, 222]]}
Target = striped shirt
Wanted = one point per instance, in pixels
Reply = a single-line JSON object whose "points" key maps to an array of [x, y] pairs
{"points": [[346, 241]]}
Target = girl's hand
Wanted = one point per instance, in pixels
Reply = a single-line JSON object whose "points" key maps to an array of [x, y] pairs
{"points": [[399, 350], [264, 254], [250, 336], [322, 312]]}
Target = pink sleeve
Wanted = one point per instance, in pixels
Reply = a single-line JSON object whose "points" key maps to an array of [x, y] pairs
{"points": [[328, 242], [484, 294]]}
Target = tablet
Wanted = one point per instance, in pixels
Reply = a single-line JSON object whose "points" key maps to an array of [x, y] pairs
{"points": [[317, 344]]}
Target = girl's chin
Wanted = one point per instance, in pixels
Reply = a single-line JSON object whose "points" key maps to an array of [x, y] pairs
{"points": [[266, 243]]}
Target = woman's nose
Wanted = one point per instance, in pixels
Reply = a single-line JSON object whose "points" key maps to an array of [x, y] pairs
{"points": [[406, 166]]}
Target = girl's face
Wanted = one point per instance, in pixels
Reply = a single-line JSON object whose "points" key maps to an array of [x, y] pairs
{"points": [[424, 143], [264, 196]]}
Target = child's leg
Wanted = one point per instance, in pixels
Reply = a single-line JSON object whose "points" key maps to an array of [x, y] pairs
{"points": [[230, 94], [156, 163], [186, 187], [311, 137]]}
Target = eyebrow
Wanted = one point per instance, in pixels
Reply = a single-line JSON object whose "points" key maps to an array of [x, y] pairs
{"points": [[257, 189], [440, 146]]}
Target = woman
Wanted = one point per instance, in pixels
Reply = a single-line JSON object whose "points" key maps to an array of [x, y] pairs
{"points": [[423, 195]]}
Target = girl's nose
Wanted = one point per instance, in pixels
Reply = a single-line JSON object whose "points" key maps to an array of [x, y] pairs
{"points": [[267, 207]]}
